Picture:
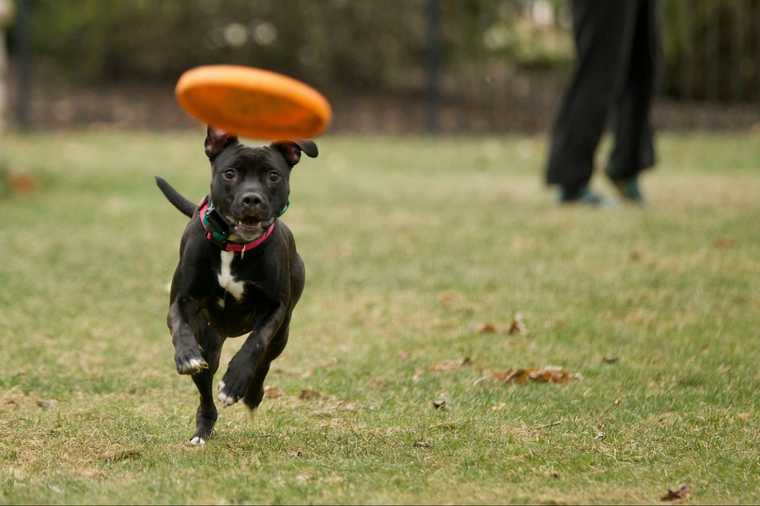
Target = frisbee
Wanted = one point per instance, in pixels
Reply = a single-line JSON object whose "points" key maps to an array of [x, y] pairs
{"points": [[253, 103]]}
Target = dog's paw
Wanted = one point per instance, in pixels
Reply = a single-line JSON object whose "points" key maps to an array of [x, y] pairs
{"points": [[226, 396], [233, 386], [197, 441], [189, 362]]}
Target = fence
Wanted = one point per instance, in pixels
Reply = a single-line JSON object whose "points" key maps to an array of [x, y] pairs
{"points": [[470, 66]]}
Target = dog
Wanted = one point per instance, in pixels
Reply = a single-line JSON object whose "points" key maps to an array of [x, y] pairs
{"points": [[239, 271]]}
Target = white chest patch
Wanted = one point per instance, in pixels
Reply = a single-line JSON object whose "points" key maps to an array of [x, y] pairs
{"points": [[227, 279]]}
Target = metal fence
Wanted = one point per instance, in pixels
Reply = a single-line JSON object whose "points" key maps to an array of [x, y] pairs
{"points": [[509, 79], [710, 69]]}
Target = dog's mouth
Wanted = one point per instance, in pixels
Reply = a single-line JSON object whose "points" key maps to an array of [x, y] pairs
{"points": [[249, 228]]}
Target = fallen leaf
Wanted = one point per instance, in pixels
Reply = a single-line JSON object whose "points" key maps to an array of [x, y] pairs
{"points": [[724, 243], [422, 444], [498, 407], [609, 359], [439, 404], [547, 374], [308, 394], [446, 298], [345, 406], [122, 455], [483, 328], [47, 403], [272, 392], [296, 453], [417, 376], [21, 183], [680, 493], [403, 355], [303, 478], [518, 325], [599, 436], [744, 417], [377, 382], [450, 365]]}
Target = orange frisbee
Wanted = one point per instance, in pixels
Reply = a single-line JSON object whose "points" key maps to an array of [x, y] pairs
{"points": [[253, 103]]}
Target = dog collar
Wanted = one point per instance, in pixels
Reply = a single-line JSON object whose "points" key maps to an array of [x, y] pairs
{"points": [[217, 230]]}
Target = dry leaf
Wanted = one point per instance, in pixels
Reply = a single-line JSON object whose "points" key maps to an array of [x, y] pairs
{"points": [[417, 376], [724, 243], [680, 493], [518, 325], [21, 183], [309, 395], [122, 455], [446, 298], [439, 404], [47, 403], [272, 392], [422, 444], [403, 355], [609, 359], [547, 374], [483, 328], [450, 365]]}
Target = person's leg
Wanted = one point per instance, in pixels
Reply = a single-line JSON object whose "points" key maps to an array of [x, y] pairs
{"points": [[602, 31], [634, 139]]}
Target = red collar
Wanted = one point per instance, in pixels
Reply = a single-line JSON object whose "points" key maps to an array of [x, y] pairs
{"points": [[219, 237]]}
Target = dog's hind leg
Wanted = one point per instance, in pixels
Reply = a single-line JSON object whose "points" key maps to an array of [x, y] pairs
{"points": [[255, 392], [205, 417]]}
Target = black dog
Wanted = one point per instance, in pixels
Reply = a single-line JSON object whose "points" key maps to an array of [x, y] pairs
{"points": [[238, 272]]}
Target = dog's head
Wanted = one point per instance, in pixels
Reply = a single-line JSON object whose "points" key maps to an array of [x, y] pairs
{"points": [[250, 186]]}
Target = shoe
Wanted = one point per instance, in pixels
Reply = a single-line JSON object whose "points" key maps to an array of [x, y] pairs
{"points": [[629, 190], [584, 196]]}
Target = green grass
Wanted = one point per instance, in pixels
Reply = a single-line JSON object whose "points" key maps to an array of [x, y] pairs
{"points": [[409, 244]]}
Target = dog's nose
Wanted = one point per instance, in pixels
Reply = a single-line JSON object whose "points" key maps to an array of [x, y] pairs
{"points": [[252, 200]]}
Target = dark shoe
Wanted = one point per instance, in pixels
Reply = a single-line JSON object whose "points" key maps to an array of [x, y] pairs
{"points": [[584, 196], [629, 190]]}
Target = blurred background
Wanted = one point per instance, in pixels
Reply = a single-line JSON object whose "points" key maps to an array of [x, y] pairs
{"points": [[450, 66]]}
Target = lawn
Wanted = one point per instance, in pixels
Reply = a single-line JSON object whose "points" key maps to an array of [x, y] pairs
{"points": [[419, 253]]}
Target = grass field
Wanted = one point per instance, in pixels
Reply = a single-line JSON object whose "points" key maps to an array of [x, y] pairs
{"points": [[414, 249]]}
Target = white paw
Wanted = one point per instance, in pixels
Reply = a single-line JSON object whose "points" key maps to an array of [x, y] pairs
{"points": [[197, 441], [225, 399], [196, 363]]}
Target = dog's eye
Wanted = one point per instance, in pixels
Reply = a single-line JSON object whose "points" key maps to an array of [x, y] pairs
{"points": [[274, 177], [230, 174]]}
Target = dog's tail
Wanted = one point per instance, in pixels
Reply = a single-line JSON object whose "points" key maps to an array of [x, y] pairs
{"points": [[181, 203]]}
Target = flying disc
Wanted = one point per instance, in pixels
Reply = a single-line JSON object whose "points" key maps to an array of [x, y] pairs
{"points": [[252, 102]]}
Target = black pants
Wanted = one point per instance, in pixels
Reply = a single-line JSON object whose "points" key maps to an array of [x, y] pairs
{"points": [[617, 46]]}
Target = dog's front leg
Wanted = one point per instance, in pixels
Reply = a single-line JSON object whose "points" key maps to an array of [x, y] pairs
{"points": [[184, 321], [242, 368]]}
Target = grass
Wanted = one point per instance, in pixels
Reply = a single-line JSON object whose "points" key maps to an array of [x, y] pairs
{"points": [[409, 245]]}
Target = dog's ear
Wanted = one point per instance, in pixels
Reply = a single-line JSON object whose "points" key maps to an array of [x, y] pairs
{"points": [[291, 150], [216, 141]]}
